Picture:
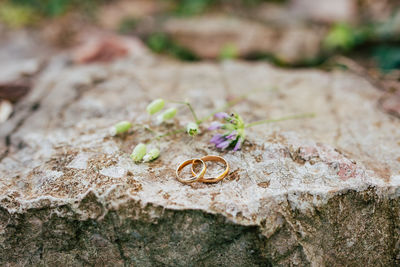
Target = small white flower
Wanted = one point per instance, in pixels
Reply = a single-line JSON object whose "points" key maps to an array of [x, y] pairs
{"points": [[192, 128]]}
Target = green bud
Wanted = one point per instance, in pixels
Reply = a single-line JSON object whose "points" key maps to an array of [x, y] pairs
{"points": [[138, 152], [152, 155], [167, 115], [120, 127], [192, 128], [155, 106]]}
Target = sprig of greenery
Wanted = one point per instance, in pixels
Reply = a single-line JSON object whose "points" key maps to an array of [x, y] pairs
{"points": [[233, 123], [300, 116]]}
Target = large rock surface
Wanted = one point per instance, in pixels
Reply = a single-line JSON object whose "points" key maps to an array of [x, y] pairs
{"points": [[207, 36], [309, 192]]}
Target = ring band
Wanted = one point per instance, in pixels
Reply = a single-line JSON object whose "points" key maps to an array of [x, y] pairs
{"points": [[197, 177], [219, 177]]}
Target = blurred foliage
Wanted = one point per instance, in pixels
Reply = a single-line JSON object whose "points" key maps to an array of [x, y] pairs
{"points": [[344, 37], [54, 8], [195, 7], [274, 59], [17, 16], [341, 38], [256, 2], [379, 39], [229, 51], [127, 25], [386, 30], [388, 57], [192, 7], [161, 43]]}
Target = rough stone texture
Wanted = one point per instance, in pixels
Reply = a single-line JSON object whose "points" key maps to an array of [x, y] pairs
{"points": [[312, 192]]}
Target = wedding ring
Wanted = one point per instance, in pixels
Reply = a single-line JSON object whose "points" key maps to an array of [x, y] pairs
{"points": [[196, 177], [211, 179]]}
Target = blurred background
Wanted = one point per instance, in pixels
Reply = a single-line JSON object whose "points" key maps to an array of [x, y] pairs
{"points": [[359, 35]]}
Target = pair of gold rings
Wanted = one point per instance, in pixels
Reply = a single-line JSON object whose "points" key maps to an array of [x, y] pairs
{"points": [[199, 177]]}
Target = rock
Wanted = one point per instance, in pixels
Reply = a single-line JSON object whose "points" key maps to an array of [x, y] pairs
{"points": [[105, 48], [207, 36], [5, 110], [391, 103], [321, 191], [22, 55], [111, 15], [358, 12], [324, 11], [289, 31], [14, 90]]}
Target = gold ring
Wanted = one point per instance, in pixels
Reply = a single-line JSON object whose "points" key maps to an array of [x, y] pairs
{"points": [[219, 177], [196, 176]]}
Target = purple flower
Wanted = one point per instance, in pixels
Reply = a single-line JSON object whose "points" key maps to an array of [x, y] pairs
{"points": [[238, 144], [224, 144], [215, 125], [221, 115], [216, 139], [232, 135], [220, 141], [234, 131]]}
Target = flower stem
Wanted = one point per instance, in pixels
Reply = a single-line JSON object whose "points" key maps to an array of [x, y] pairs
{"points": [[170, 133], [233, 102], [190, 108], [147, 128], [223, 108], [305, 115]]}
